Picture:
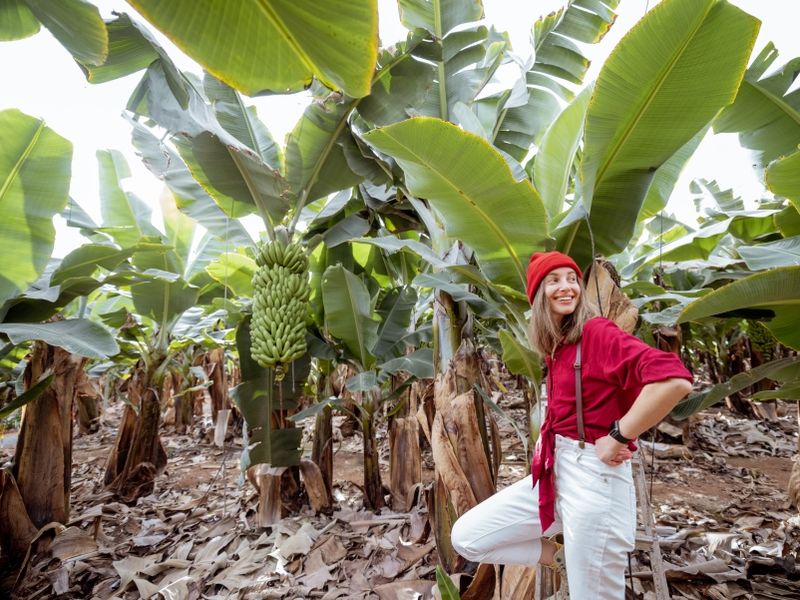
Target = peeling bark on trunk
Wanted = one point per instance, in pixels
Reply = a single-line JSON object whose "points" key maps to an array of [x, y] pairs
{"points": [[88, 395], [138, 455], [16, 528], [602, 289], [315, 486], [43, 459], [268, 483], [405, 466], [215, 368]]}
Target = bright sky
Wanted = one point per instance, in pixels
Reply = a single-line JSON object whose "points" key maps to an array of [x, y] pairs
{"points": [[41, 79]]}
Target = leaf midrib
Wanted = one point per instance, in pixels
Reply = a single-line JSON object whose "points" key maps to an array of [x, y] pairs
{"points": [[17, 168], [669, 67]]}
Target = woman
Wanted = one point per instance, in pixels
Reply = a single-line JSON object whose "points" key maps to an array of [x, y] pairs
{"points": [[581, 481]]}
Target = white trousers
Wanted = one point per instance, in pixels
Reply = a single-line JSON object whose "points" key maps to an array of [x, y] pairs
{"points": [[595, 509]]}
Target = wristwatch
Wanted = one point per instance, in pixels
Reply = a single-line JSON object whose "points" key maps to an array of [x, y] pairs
{"points": [[614, 433]]}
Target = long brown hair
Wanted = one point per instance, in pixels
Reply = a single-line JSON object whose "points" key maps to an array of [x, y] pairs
{"points": [[544, 331]]}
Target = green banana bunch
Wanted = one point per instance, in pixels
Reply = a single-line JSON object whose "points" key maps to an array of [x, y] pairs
{"points": [[280, 301], [761, 339]]}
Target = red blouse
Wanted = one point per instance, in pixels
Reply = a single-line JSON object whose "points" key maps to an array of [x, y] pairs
{"points": [[615, 368]]}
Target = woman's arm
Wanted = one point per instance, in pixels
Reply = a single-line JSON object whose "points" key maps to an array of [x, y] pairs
{"points": [[653, 404]]}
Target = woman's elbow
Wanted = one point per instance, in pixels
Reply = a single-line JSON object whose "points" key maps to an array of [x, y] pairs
{"points": [[681, 387]]}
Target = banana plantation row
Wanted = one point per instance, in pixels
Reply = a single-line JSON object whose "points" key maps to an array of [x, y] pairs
{"points": [[398, 217]]}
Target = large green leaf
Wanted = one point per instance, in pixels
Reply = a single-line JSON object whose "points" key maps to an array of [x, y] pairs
{"points": [[395, 311], [519, 358], [16, 21], [242, 122], [178, 227], [663, 83], [238, 181], [418, 363], [128, 51], [34, 184], [439, 16], [84, 261], [28, 396], [78, 336], [559, 64], [472, 186], [348, 313], [77, 25], [236, 271], [315, 160], [274, 45], [766, 118], [553, 165], [719, 392], [257, 398], [776, 291], [667, 175], [783, 176], [189, 195], [125, 218]]}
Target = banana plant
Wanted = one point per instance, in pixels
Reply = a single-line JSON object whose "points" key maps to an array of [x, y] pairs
{"points": [[370, 337]]}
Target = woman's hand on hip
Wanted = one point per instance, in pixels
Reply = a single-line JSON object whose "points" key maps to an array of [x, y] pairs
{"points": [[611, 452]]}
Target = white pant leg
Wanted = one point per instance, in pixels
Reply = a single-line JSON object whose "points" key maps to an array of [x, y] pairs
{"points": [[597, 504], [504, 529]]}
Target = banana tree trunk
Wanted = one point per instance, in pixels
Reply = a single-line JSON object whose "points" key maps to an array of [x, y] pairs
{"points": [[322, 449], [373, 487], [405, 460], [36, 490], [138, 455]]}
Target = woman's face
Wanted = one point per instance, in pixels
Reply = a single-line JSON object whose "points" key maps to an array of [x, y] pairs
{"points": [[562, 291]]}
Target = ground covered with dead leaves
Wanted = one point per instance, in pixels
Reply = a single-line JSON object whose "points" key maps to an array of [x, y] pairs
{"points": [[728, 529]]}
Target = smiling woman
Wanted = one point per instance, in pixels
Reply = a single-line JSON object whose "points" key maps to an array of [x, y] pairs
{"points": [[605, 387]]}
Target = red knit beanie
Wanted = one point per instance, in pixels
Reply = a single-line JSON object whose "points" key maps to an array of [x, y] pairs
{"points": [[541, 263]]}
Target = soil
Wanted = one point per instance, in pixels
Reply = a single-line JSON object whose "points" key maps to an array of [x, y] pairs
{"points": [[201, 490]]}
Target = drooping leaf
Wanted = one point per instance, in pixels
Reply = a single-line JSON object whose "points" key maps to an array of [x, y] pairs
{"points": [[257, 397], [237, 180], [719, 392], [783, 176], [765, 116], [17, 21], [663, 83], [665, 178], [395, 310], [128, 51], [774, 292], [236, 271], [78, 336], [124, 218], [559, 64], [85, 260], [189, 196], [348, 313], [419, 364], [29, 396], [34, 184], [315, 161], [278, 45], [520, 359], [77, 25], [501, 218], [553, 164], [242, 122]]}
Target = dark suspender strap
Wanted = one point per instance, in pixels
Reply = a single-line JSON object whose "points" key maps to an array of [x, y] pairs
{"points": [[579, 396]]}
